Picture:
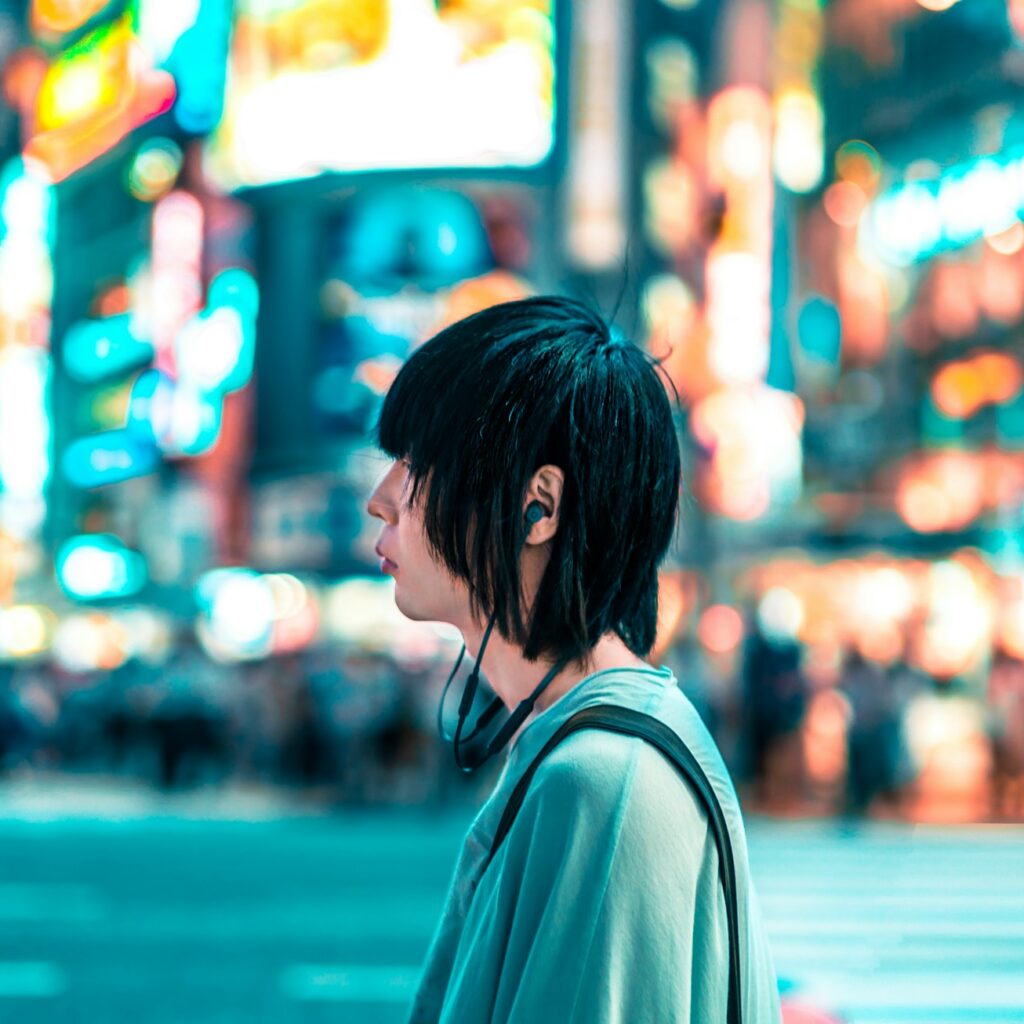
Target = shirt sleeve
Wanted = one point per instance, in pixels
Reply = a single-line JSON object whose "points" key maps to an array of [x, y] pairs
{"points": [[603, 905]]}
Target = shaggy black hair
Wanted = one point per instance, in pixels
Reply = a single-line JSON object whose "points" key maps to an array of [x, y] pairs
{"points": [[482, 405]]}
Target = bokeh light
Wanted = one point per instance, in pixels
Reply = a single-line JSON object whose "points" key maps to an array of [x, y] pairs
{"points": [[720, 628], [155, 169]]}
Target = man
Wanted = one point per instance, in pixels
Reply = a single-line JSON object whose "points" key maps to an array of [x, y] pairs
{"points": [[603, 903]]}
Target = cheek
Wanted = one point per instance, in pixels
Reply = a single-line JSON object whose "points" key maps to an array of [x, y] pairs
{"points": [[412, 539], [418, 553]]}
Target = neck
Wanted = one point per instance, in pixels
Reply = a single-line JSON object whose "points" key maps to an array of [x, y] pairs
{"points": [[513, 678]]}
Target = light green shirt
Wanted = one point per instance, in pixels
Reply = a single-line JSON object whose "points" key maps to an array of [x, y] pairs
{"points": [[603, 905]]}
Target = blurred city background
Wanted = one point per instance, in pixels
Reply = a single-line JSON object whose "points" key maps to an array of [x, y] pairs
{"points": [[223, 227]]}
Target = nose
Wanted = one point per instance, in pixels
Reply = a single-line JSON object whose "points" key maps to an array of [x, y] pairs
{"points": [[379, 507], [381, 503]]}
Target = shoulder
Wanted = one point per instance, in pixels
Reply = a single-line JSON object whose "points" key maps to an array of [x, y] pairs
{"points": [[596, 771], [603, 791]]}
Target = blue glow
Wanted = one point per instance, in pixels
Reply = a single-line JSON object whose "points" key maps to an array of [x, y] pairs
{"points": [[236, 288], [433, 236], [1010, 423], [215, 350], [199, 65], [149, 407], [174, 416], [95, 349], [94, 566], [189, 38], [108, 458], [937, 428], [820, 330], [917, 219]]}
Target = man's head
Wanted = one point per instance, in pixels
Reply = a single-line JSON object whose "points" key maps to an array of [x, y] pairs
{"points": [[533, 399]]}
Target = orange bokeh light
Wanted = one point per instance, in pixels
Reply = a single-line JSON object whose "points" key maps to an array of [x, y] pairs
{"points": [[958, 391], [720, 628], [844, 202], [674, 602], [948, 490], [478, 293], [92, 96], [60, 16], [962, 388], [922, 505], [1001, 376]]}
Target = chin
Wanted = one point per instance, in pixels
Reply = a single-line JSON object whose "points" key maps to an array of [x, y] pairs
{"points": [[421, 613], [410, 610], [403, 606]]}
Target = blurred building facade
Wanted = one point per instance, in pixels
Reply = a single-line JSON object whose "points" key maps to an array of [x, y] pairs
{"points": [[223, 227]]}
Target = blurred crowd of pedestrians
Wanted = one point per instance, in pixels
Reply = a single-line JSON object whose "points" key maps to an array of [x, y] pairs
{"points": [[861, 737], [347, 727], [354, 727]]}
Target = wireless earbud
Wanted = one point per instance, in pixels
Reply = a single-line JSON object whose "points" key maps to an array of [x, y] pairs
{"points": [[535, 512]]}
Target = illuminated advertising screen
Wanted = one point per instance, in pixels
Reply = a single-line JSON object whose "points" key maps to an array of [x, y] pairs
{"points": [[316, 86], [105, 69]]}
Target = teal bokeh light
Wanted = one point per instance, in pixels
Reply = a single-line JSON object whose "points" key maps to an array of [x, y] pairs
{"points": [[820, 329], [97, 349], [1010, 423], [95, 566], [108, 458]]}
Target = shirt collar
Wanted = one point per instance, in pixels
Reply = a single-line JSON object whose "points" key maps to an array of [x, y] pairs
{"points": [[629, 687]]}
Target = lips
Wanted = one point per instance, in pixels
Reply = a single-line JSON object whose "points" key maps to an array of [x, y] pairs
{"points": [[387, 563]]}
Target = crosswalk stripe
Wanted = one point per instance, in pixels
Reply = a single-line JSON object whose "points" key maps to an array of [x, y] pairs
{"points": [[80, 904], [897, 926], [920, 989], [31, 979], [349, 983]]}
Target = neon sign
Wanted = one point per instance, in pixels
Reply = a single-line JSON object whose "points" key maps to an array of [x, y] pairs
{"points": [[93, 95], [156, 56], [316, 86]]}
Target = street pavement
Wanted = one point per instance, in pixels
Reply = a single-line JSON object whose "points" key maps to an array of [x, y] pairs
{"points": [[116, 906], [891, 924]]}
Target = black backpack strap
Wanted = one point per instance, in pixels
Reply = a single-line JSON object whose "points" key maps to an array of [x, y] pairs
{"points": [[635, 723]]}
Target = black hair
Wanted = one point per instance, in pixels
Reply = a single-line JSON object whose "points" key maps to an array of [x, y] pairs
{"points": [[482, 405]]}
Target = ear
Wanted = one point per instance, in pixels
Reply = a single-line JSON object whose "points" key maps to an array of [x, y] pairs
{"points": [[545, 487]]}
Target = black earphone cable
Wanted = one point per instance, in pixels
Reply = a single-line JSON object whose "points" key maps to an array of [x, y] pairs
{"points": [[466, 761]]}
